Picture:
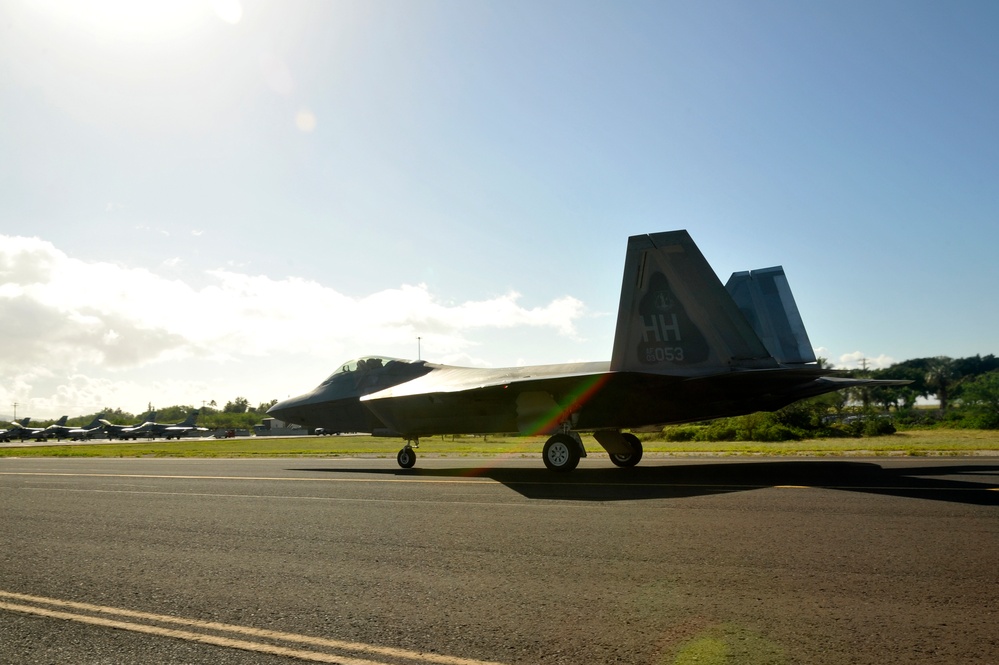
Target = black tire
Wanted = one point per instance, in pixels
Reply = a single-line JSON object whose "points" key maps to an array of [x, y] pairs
{"points": [[561, 453], [634, 457], [406, 458]]}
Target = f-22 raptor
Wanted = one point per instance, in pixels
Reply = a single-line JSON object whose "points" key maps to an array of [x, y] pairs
{"points": [[686, 348]]}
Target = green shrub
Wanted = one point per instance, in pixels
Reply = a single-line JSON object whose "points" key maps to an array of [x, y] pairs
{"points": [[718, 430], [879, 427], [790, 424], [917, 417], [776, 432], [682, 433], [984, 421]]}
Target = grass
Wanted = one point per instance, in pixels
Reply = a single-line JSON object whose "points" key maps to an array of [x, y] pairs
{"points": [[911, 442]]}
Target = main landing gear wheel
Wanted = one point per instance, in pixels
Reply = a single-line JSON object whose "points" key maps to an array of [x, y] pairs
{"points": [[632, 458], [406, 458], [561, 453]]}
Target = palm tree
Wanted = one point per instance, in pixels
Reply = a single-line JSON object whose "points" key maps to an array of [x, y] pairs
{"points": [[940, 375]]}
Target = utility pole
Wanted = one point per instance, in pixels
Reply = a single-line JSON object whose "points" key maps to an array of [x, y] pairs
{"points": [[15, 410], [419, 348]]}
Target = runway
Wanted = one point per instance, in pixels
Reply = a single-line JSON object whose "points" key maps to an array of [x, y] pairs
{"points": [[474, 561]]}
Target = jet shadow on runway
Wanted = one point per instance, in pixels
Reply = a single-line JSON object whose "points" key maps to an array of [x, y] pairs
{"points": [[676, 481]]}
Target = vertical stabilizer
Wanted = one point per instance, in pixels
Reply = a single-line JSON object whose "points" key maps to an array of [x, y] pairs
{"points": [[96, 422], [192, 418], [765, 299], [675, 315]]}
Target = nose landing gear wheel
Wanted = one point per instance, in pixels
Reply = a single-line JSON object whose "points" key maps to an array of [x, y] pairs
{"points": [[406, 458], [561, 453]]}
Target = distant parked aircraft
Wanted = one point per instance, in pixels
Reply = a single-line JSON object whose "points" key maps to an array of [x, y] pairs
{"points": [[128, 431], [20, 430], [686, 348], [87, 431], [53, 430], [151, 429]]}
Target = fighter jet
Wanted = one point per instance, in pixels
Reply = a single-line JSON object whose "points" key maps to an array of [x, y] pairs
{"points": [[21, 430], [95, 427], [18, 430], [153, 429], [128, 431], [178, 430], [59, 430], [686, 348], [54, 429]]}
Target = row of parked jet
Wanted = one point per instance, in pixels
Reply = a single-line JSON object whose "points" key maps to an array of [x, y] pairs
{"points": [[146, 428]]}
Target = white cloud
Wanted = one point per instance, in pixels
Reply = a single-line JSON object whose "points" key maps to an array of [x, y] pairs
{"points": [[230, 11], [89, 331], [855, 359], [80, 394], [859, 360]]}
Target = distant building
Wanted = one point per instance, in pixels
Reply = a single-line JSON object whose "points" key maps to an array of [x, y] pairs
{"points": [[275, 427]]}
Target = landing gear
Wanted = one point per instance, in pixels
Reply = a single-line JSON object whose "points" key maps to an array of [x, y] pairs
{"points": [[632, 458], [406, 457], [562, 453]]}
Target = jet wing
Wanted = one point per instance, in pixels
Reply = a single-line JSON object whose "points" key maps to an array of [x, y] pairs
{"points": [[472, 400], [446, 379]]}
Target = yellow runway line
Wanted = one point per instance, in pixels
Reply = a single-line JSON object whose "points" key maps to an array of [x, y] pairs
{"points": [[357, 647]]}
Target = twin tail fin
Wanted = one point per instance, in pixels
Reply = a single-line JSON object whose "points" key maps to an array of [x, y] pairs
{"points": [[675, 316]]}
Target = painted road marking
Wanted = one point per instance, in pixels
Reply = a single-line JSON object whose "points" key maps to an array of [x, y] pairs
{"points": [[478, 480], [259, 478], [217, 640]]}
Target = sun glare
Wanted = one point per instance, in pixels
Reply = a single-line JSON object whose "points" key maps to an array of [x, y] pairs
{"points": [[305, 120], [139, 20]]}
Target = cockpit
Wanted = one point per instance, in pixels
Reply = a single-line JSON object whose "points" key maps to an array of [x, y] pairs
{"points": [[369, 374], [368, 363], [365, 365]]}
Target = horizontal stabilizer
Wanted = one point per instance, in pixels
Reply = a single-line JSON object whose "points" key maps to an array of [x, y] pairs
{"points": [[840, 382]]}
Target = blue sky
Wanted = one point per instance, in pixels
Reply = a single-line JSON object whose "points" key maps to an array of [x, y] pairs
{"points": [[205, 200]]}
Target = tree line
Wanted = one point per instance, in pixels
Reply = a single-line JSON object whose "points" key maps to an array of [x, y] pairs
{"points": [[967, 390]]}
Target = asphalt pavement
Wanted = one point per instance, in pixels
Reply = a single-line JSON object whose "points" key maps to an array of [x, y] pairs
{"points": [[472, 561]]}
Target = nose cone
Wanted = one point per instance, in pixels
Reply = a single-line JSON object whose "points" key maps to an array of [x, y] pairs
{"points": [[318, 409], [292, 410]]}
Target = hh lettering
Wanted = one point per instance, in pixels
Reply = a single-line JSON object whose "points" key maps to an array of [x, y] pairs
{"points": [[657, 326]]}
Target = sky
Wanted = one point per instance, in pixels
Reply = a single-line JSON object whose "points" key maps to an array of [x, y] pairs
{"points": [[201, 200]]}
